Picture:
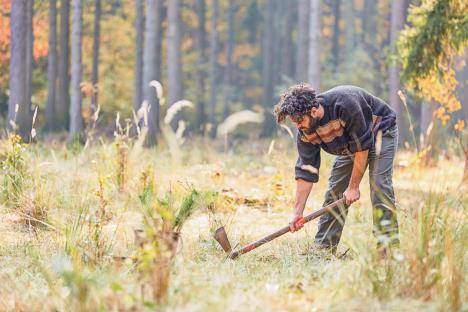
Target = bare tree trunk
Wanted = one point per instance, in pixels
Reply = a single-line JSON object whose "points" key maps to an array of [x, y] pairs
{"points": [[336, 10], [174, 62], [51, 67], [29, 51], [96, 39], [139, 29], [267, 68], [151, 60], [76, 120], [302, 40], [394, 70], [228, 88], [213, 66], [314, 44], [428, 133], [287, 55], [350, 16], [17, 83], [200, 43], [63, 102]]}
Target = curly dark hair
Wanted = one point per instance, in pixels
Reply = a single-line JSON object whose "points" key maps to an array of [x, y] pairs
{"points": [[296, 102]]}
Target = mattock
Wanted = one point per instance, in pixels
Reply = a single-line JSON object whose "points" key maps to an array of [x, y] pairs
{"points": [[221, 236]]}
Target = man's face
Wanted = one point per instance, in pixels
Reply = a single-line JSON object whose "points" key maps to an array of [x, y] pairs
{"points": [[307, 124]]}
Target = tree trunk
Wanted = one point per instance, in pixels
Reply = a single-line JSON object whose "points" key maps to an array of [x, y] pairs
{"points": [[200, 45], [302, 40], [96, 38], [336, 10], [394, 70], [63, 102], [213, 66], [17, 82], [287, 55], [174, 62], [139, 29], [51, 67], [428, 137], [151, 60], [314, 44], [29, 51], [350, 16], [267, 70], [76, 120], [228, 88]]}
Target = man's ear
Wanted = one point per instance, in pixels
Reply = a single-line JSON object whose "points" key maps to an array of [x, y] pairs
{"points": [[314, 111]]}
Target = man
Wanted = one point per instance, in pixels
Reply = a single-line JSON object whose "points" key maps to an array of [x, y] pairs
{"points": [[361, 129]]}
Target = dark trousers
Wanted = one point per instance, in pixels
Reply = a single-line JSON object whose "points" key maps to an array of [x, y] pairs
{"points": [[380, 162]]}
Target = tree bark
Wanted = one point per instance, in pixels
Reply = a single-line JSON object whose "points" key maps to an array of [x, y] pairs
{"points": [[174, 62], [29, 51], [302, 40], [200, 45], [76, 120], [228, 87], [287, 55], [139, 29], [350, 16], [17, 79], [51, 67], [151, 61], [394, 70], [267, 70], [314, 44], [63, 102], [96, 39], [213, 66], [336, 11]]}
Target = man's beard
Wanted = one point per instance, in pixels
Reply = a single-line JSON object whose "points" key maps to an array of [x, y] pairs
{"points": [[312, 127]]}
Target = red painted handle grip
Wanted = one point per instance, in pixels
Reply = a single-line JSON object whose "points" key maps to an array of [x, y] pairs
{"points": [[284, 230]]}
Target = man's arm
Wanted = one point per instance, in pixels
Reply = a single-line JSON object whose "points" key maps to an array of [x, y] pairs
{"points": [[303, 189], [352, 193]]}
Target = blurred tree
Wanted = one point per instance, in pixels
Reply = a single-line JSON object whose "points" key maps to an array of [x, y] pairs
{"points": [[52, 67], [428, 49], [63, 103], [287, 45], [29, 51], [151, 65], [96, 39], [394, 69], [336, 10], [200, 46], [19, 109], [228, 72], [213, 67], [315, 31], [350, 29], [302, 40], [139, 30], [174, 61], [267, 68], [76, 120]]}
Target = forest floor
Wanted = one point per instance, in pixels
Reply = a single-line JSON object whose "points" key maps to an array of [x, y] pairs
{"points": [[67, 263]]}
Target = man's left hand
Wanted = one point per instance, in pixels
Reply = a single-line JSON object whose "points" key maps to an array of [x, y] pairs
{"points": [[351, 195]]}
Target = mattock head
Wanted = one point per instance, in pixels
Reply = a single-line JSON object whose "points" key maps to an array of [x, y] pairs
{"points": [[221, 237]]}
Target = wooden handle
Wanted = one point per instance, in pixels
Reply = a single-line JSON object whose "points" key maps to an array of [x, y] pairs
{"points": [[284, 230]]}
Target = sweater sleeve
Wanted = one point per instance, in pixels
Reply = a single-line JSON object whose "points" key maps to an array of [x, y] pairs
{"points": [[357, 120], [308, 161]]}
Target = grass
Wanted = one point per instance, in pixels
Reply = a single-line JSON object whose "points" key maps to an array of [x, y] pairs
{"points": [[92, 200]]}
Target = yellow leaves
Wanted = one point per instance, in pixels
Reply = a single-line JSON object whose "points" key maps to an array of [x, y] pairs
{"points": [[440, 87], [460, 125]]}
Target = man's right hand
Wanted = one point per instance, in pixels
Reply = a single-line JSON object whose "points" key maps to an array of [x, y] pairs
{"points": [[296, 223]]}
